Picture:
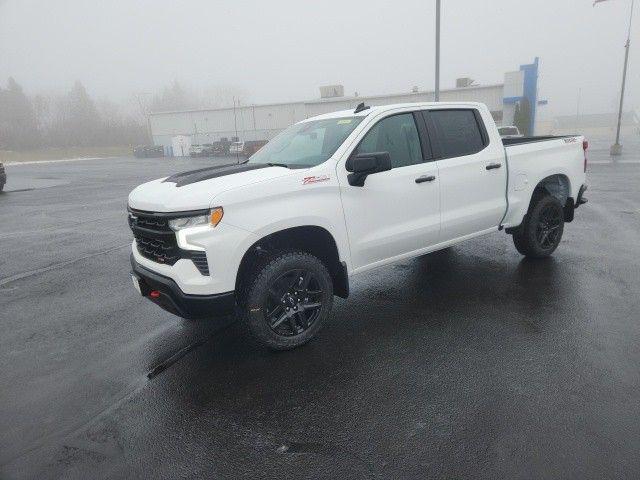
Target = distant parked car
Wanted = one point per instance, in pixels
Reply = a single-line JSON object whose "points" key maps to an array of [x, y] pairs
{"points": [[509, 131], [195, 151], [236, 148], [207, 149], [220, 148], [148, 151], [3, 177], [252, 147]]}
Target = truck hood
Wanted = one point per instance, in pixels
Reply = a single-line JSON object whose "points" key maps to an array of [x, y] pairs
{"points": [[196, 189]]}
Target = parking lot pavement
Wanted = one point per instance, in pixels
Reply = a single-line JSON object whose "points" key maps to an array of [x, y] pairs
{"points": [[471, 362]]}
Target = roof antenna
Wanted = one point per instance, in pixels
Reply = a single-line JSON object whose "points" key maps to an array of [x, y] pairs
{"points": [[361, 107]]}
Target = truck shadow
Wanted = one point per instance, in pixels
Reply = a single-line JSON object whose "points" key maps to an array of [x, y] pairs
{"points": [[411, 338], [425, 307]]}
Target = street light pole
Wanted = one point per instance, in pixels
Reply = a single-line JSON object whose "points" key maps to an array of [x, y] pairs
{"points": [[437, 89], [616, 148]]}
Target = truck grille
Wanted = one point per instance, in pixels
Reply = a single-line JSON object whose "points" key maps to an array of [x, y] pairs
{"points": [[157, 242]]}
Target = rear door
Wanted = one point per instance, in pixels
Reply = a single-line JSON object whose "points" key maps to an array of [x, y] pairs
{"points": [[472, 169], [398, 211]]}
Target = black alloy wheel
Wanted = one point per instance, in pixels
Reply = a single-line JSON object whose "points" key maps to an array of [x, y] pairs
{"points": [[284, 301], [293, 303], [548, 227], [542, 228]]}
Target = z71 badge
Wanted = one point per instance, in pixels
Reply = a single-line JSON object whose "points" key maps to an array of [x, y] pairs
{"points": [[315, 179]]}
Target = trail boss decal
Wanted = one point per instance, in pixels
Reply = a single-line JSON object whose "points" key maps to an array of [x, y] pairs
{"points": [[315, 179]]}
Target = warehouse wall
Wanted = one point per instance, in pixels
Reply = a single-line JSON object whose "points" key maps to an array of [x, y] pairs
{"points": [[257, 122], [263, 122]]}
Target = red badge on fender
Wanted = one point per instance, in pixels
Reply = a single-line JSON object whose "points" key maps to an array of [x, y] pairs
{"points": [[315, 179]]}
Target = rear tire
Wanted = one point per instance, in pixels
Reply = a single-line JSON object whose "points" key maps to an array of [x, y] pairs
{"points": [[542, 230], [286, 300]]}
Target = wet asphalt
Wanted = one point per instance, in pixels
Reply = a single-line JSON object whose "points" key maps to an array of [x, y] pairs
{"points": [[468, 363]]}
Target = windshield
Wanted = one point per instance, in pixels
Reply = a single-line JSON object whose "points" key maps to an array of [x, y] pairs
{"points": [[307, 144]]}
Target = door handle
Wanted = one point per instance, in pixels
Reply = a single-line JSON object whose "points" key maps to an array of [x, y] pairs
{"points": [[425, 178], [493, 166]]}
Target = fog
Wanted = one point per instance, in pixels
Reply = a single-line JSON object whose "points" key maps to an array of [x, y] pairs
{"points": [[284, 49]]}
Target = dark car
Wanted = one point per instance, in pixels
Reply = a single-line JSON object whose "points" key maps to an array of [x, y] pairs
{"points": [[221, 147], [252, 146], [148, 151], [208, 149], [3, 177]]}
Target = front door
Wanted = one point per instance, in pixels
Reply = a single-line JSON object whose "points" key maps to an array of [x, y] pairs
{"points": [[398, 211]]}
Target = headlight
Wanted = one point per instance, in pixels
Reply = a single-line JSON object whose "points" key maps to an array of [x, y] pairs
{"points": [[212, 218]]}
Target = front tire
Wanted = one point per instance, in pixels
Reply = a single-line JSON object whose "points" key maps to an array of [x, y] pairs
{"points": [[542, 230], [286, 300]]}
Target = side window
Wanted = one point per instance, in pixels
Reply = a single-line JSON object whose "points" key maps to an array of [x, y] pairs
{"points": [[397, 135], [457, 132]]}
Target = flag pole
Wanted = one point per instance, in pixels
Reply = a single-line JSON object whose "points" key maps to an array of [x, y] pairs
{"points": [[436, 94]]}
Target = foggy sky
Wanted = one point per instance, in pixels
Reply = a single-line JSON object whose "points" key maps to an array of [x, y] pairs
{"points": [[279, 50]]}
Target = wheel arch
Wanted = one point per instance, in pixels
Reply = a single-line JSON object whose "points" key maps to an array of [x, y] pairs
{"points": [[313, 239], [557, 185]]}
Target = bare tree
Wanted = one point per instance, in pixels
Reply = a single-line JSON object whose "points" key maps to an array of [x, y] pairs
{"points": [[222, 96], [18, 126], [174, 97]]}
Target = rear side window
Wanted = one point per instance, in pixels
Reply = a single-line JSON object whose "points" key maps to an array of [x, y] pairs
{"points": [[457, 132], [397, 135]]}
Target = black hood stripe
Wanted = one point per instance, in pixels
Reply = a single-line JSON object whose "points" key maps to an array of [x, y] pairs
{"points": [[194, 176]]}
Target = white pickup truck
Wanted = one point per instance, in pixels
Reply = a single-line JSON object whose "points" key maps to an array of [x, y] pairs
{"points": [[276, 237]]}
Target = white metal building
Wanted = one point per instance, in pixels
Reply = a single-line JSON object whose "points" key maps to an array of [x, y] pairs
{"points": [[263, 122]]}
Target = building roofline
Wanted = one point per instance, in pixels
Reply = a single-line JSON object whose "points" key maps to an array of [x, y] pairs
{"points": [[402, 94], [363, 98]]}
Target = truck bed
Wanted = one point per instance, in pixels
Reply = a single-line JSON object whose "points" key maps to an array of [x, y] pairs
{"points": [[532, 159]]}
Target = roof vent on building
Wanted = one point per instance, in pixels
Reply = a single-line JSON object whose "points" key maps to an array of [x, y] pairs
{"points": [[332, 91], [464, 82]]}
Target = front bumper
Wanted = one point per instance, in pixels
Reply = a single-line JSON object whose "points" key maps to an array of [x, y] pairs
{"points": [[172, 299]]}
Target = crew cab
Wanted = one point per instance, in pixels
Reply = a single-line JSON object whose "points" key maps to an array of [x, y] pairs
{"points": [[276, 237]]}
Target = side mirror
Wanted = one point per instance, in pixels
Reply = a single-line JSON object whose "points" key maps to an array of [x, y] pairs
{"points": [[363, 164]]}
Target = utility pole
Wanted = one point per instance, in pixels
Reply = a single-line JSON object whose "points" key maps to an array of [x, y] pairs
{"points": [[235, 127], [235, 120], [616, 148], [437, 89], [255, 132], [578, 105]]}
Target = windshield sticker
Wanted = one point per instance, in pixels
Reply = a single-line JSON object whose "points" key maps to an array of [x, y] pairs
{"points": [[345, 121], [315, 179]]}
